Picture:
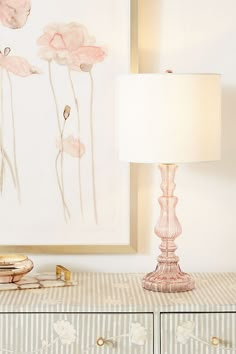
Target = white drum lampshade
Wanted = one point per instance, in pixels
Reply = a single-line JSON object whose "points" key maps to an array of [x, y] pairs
{"points": [[169, 118]]}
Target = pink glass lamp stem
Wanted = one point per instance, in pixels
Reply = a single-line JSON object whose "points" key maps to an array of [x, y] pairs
{"points": [[168, 276], [168, 226]]}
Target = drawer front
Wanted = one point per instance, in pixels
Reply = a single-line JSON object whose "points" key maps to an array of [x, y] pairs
{"points": [[76, 333], [198, 333]]}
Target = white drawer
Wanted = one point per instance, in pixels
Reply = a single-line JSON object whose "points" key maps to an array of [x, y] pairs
{"points": [[76, 333], [198, 333]]}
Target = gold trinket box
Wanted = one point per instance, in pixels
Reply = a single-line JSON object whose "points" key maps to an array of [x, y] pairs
{"points": [[13, 267]]}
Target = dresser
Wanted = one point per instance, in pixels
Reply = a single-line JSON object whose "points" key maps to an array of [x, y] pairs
{"points": [[111, 314]]}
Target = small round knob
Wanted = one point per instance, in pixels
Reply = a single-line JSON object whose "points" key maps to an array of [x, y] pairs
{"points": [[100, 341], [215, 341]]}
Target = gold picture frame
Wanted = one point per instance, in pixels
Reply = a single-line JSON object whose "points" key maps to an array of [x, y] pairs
{"points": [[100, 249]]}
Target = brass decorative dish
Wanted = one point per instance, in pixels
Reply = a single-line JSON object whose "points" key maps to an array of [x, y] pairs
{"points": [[13, 267]]}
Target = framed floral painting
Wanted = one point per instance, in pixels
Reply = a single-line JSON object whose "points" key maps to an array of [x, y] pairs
{"points": [[63, 188]]}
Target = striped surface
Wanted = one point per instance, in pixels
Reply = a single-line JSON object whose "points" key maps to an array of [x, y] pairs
{"points": [[207, 325], [98, 292], [35, 333], [114, 294]]}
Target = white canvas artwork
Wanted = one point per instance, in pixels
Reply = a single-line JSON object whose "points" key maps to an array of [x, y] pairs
{"points": [[61, 180]]}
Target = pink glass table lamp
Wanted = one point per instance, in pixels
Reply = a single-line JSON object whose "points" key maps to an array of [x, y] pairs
{"points": [[168, 119]]}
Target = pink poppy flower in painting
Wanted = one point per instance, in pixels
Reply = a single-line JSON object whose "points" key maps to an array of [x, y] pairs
{"points": [[84, 58], [71, 146], [69, 44], [60, 40], [17, 65], [14, 13]]}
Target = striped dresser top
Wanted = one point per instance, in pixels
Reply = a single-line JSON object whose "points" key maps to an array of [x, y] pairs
{"points": [[108, 292]]}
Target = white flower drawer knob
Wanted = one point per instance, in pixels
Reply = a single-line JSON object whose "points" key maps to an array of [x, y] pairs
{"points": [[191, 333]]}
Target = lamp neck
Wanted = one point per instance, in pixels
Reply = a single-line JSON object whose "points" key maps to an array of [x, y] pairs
{"points": [[168, 177]]}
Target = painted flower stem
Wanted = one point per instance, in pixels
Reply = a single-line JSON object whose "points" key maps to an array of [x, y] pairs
{"points": [[1, 135], [120, 336], [199, 340], [2, 173], [78, 124], [65, 207], [92, 148], [14, 140], [61, 182], [54, 95], [62, 174], [8, 161]]}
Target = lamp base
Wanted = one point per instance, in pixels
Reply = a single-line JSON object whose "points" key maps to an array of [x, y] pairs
{"points": [[168, 282], [168, 277]]}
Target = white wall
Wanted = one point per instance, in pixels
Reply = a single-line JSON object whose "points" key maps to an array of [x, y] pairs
{"points": [[185, 36]]}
